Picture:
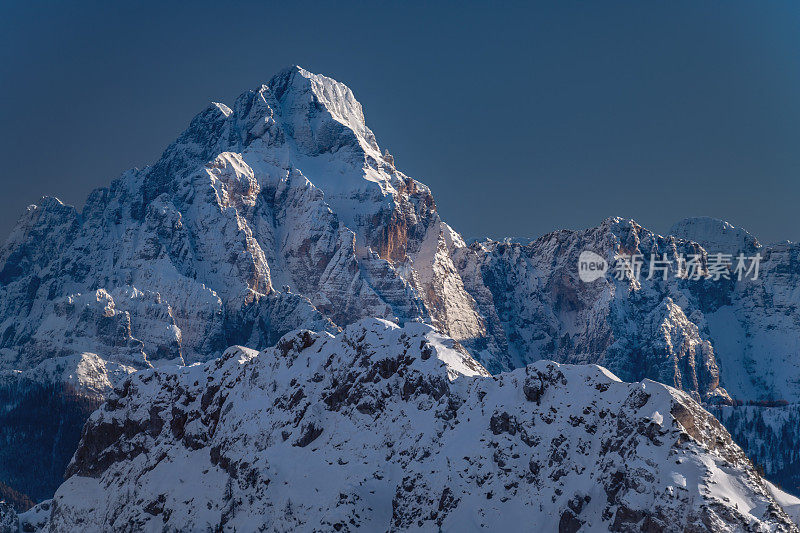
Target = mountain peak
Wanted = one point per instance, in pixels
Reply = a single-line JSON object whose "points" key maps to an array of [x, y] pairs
{"points": [[715, 235], [301, 94]]}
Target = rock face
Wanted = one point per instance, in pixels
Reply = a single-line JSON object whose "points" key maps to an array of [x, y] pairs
{"points": [[389, 428], [281, 212]]}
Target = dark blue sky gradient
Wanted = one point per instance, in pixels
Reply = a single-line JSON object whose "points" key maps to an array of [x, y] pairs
{"points": [[523, 119]]}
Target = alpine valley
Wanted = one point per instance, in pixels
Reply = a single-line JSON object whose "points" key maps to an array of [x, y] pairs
{"points": [[271, 328]]}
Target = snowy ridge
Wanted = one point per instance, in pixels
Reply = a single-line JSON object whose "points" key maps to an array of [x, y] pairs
{"points": [[389, 428], [716, 236]]}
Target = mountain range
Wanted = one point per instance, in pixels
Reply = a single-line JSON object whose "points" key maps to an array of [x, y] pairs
{"points": [[281, 213]]}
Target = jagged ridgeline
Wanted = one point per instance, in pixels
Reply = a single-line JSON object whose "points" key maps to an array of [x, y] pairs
{"points": [[388, 428], [281, 212]]}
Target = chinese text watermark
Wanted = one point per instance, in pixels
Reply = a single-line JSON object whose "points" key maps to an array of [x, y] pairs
{"points": [[592, 266]]}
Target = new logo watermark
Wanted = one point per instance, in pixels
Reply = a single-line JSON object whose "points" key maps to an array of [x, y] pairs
{"points": [[592, 266]]}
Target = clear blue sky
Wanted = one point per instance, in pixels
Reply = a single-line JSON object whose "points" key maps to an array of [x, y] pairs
{"points": [[523, 119]]}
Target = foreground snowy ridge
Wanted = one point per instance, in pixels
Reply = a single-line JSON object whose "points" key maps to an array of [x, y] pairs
{"points": [[397, 428]]}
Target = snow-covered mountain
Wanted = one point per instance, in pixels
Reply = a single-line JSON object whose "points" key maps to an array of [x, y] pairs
{"points": [[277, 213], [282, 212], [387, 428], [715, 339], [724, 341], [715, 235]]}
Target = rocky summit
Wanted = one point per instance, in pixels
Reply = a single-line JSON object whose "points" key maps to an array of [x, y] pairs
{"points": [[282, 213]]}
